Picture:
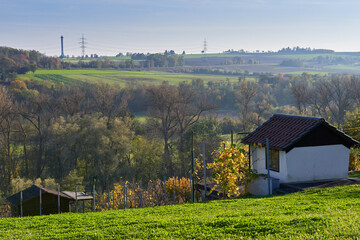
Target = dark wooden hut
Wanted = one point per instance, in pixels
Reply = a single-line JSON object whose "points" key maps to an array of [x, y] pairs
{"points": [[31, 201]]}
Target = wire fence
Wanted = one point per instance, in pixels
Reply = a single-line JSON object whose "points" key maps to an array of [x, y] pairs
{"points": [[157, 193], [124, 195]]}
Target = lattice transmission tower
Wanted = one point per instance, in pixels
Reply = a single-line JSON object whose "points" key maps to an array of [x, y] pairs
{"points": [[82, 45], [205, 46]]}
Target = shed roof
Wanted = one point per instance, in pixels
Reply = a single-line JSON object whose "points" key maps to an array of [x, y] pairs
{"points": [[80, 195], [32, 192], [284, 131]]}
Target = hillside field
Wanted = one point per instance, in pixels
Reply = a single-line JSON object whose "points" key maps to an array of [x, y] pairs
{"points": [[121, 78], [330, 213]]}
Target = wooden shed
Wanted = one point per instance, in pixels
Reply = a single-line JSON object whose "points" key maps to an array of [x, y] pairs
{"points": [[31, 201]]}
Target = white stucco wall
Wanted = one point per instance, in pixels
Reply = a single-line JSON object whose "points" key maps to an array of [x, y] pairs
{"points": [[306, 163], [317, 163], [258, 163], [259, 186]]}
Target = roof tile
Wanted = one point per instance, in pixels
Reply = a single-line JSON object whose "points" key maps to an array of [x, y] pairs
{"points": [[283, 130]]}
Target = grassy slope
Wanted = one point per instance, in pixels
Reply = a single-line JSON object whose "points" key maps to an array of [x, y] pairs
{"points": [[121, 77], [332, 213]]}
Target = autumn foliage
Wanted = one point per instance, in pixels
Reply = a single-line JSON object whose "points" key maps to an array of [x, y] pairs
{"points": [[156, 193], [231, 170]]}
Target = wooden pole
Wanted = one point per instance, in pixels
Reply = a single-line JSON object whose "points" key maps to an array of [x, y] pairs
{"points": [[174, 199], [93, 202], [108, 199], [125, 195], [58, 195], [76, 201], [149, 197], [21, 204], [268, 165], [204, 163], [232, 138], [191, 197], [192, 167], [113, 199], [141, 195], [40, 203], [249, 156], [165, 196]]}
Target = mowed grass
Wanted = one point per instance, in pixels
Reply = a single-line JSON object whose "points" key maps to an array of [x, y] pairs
{"points": [[122, 78], [331, 213]]}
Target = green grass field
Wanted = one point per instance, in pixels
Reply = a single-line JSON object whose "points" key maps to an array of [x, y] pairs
{"points": [[331, 213], [121, 78]]}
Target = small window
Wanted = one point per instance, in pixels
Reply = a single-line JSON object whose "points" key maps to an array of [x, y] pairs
{"points": [[274, 160]]}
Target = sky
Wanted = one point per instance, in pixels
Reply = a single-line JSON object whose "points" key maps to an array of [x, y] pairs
{"points": [[114, 26]]}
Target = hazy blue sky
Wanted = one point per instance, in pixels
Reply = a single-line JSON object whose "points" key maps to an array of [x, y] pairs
{"points": [[113, 26]]}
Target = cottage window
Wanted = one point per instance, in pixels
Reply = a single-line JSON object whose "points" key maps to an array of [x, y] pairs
{"points": [[274, 160]]}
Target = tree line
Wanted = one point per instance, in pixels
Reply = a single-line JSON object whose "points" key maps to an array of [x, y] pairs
{"points": [[86, 132], [89, 132]]}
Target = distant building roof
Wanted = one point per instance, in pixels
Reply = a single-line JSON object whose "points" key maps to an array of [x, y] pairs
{"points": [[287, 131], [32, 192]]}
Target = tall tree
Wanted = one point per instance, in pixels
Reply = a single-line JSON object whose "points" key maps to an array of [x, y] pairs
{"points": [[188, 109], [163, 101], [245, 97]]}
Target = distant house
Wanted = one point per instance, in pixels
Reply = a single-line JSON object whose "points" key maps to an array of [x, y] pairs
{"points": [[302, 149], [49, 201]]}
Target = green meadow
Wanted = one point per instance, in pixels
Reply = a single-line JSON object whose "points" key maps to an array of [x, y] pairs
{"points": [[122, 78], [330, 213]]}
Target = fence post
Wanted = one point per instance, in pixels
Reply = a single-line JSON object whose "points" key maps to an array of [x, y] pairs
{"points": [[165, 196], [268, 165], [204, 161], [93, 202], [141, 195], [125, 195], [113, 199], [192, 167], [108, 199], [174, 199], [40, 202], [149, 197], [191, 196], [232, 138], [76, 201], [58, 200], [21, 204]]}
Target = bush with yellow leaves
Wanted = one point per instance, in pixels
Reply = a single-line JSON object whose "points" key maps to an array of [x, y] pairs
{"points": [[231, 170]]}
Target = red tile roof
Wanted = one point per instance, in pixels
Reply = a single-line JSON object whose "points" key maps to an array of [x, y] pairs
{"points": [[283, 131]]}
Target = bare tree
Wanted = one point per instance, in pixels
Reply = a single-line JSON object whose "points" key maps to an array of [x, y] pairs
{"points": [[163, 100], [245, 97], [39, 110], [110, 101], [188, 109], [341, 94], [333, 97], [301, 92], [6, 162]]}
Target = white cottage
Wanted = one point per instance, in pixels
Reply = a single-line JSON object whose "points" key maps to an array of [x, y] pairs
{"points": [[302, 149]]}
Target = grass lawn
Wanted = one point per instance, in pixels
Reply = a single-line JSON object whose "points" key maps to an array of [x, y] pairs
{"points": [[121, 78], [330, 213]]}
